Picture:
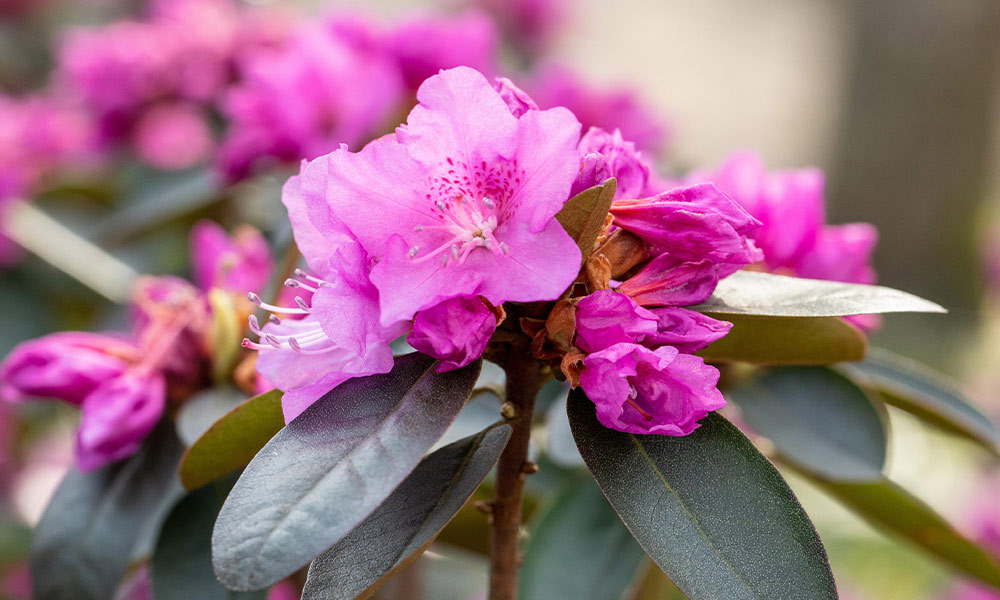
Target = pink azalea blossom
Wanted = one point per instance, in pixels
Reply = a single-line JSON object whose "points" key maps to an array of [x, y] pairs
{"points": [[474, 192], [687, 330], [425, 44], [124, 382], [306, 97], [605, 318], [529, 25], [614, 108], [667, 281], [609, 155], [517, 100], [638, 390], [455, 331], [173, 136], [240, 263]]}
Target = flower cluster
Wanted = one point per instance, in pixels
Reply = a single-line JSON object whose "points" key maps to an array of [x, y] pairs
{"points": [[430, 231], [123, 382]]}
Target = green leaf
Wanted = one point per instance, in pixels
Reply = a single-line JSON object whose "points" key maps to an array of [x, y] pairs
{"points": [[584, 214], [203, 409], [182, 562], [931, 396], [815, 418], [233, 440], [891, 508], [767, 294], [331, 467], [408, 521], [85, 539], [579, 548], [787, 341], [708, 508]]}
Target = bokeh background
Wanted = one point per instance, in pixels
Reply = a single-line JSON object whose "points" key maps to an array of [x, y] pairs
{"points": [[896, 100]]}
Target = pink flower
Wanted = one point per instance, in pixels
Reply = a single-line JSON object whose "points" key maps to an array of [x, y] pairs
{"points": [[173, 136], [692, 224], [305, 98], [471, 193], [424, 45], [241, 263], [117, 417], [667, 281], [318, 344], [614, 108], [638, 390], [516, 99], [529, 25], [455, 331], [605, 318], [67, 366], [687, 330], [609, 155]]}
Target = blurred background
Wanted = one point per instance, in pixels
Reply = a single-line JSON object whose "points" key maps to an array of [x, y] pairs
{"points": [[897, 101]]}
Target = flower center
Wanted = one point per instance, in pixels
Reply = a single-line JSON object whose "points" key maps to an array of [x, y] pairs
{"points": [[467, 224], [308, 337]]}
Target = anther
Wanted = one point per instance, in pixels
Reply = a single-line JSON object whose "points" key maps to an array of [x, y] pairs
{"points": [[254, 324], [440, 204], [254, 298], [274, 319], [292, 283], [418, 228], [301, 303], [413, 251], [294, 343], [504, 248], [272, 340], [488, 203]]}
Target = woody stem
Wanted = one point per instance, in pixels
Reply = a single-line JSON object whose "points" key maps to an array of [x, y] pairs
{"points": [[523, 382]]}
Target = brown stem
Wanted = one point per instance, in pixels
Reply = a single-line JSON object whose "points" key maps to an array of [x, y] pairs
{"points": [[523, 383]]}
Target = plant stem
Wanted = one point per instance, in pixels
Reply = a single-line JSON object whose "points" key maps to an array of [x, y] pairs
{"points": [[523, 383]]}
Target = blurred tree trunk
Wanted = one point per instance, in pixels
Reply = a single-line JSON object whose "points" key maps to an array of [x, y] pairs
{"points": [[915, 138]]}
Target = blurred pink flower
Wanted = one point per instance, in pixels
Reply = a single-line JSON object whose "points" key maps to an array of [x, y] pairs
{"points": [[305, 98], [239, 263], [425, 44], [173, 136], [530, 26], [613, 108]]}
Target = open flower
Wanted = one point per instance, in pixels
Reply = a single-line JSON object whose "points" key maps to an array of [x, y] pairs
{"points": [[638, 390], [471, 193]]}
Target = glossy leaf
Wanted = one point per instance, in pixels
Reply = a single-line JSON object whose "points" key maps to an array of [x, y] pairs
{"points": [[331, 467], [408, 521], [767, 294], [85, 539], [708, 508], [787, 341], [182, 563], [891, 508], [584, 214], [579, 548], [925, 393], [233, 440], [816, 418]]}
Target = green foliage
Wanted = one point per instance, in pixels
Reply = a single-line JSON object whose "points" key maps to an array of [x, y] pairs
{"points": [[815, 418], [92, 526], [787, 341], [708, 508], [233, 440], [408, 521], [930, 396], [331, 467], [579, 548], [767, 294]]}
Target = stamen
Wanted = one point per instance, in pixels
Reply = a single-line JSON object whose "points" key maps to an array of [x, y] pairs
{"points": [[418, 228], [488, 203], [413, 251], [274, 319], [270, 339], [301, 303], [254, 324], [440, 205], [255, 299], [504, 248]]}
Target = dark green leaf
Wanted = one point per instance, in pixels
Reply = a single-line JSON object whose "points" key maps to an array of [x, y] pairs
{"points": [[182, 562], [767, 294], [584, 214], [787, 341], [891, 508], [579, 548], [928, 395], [233, 440], [203, 409], [87, 535], [398, 531], [816, 418], [324, 473], [708, 508]]}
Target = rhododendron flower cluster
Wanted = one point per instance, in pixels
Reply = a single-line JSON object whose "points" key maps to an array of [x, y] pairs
{"points": [[123, 382], [472, 184]]}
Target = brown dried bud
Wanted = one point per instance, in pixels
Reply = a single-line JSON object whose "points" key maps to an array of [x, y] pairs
{"points": [[561, 324], [623, 251], [598, 270], [571, 365]]}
